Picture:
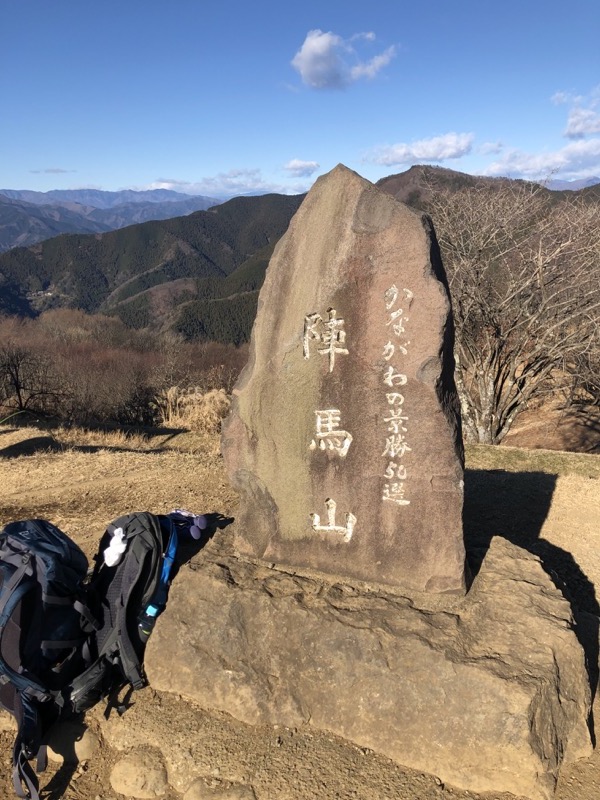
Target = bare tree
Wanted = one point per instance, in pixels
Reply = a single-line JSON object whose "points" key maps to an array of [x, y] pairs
{"points": [[524, 276], [25, 376]]}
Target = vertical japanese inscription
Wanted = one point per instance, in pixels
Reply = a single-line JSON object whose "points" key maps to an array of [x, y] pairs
{"points": [[329, 435], [396, 440], [345, 530], [329, 333], [329, 337]]}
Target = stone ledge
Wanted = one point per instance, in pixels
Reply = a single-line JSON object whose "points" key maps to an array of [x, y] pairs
{"points": [[491, 694]]}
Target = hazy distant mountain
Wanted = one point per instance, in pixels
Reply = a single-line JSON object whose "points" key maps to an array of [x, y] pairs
{"points": [[199, 274], [571, 186], [22, 224], [131, 213], [102, 199], [27, 217]]}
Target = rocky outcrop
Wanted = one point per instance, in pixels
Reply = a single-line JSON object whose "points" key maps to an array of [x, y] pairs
{"points": [[489, 692]]}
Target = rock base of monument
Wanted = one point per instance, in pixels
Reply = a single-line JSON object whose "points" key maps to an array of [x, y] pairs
{"points": [[490, 693]]}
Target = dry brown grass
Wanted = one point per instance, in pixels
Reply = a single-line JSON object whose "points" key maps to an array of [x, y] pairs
{"points": [[516, 459], [193, 410], [75, 437]]}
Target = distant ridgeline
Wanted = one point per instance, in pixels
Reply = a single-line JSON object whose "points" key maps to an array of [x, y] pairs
{"points": [[198, 274], [28, 217]]}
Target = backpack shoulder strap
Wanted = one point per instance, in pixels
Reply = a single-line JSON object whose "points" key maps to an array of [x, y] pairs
{"points": [[27, 745], [130, 660], [10, 600]]}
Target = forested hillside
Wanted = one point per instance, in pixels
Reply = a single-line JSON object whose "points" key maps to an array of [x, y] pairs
{"points": [[147, 274]]}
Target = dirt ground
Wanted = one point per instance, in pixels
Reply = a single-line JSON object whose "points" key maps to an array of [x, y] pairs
{"points": [[82, 486]]}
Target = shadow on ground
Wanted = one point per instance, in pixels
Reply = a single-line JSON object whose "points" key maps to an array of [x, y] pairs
{"points": [[515, 505], [589, 433], [63, 740], [48, 444], [45, 440], [31, 446]]}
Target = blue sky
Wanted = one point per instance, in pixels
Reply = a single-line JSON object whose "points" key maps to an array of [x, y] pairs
{"points": [[231, 97]]}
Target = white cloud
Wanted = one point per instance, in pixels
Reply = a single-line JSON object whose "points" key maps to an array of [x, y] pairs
{"points": [[438, 148], [584, 117], [319, 61], [369, 69], [490, 148], [327, 61], [52, 171], [578, 159], [228, 184], [560, 98], [368, 36], [582, 122], [301, 169]]}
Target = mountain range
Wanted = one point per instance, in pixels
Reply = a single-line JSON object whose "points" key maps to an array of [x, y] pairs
{"points": [[197, 274], [28, 217], [571, 186]]}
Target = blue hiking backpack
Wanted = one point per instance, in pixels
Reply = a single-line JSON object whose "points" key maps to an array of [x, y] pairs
{"points": [[68, 638], [42, 631]]}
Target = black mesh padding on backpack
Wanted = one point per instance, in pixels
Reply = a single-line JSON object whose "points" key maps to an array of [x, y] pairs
{"points": [[116, 597]]}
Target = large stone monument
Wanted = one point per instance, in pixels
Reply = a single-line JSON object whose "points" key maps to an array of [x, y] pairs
{"points": [[344, 443], [344, 439]]}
